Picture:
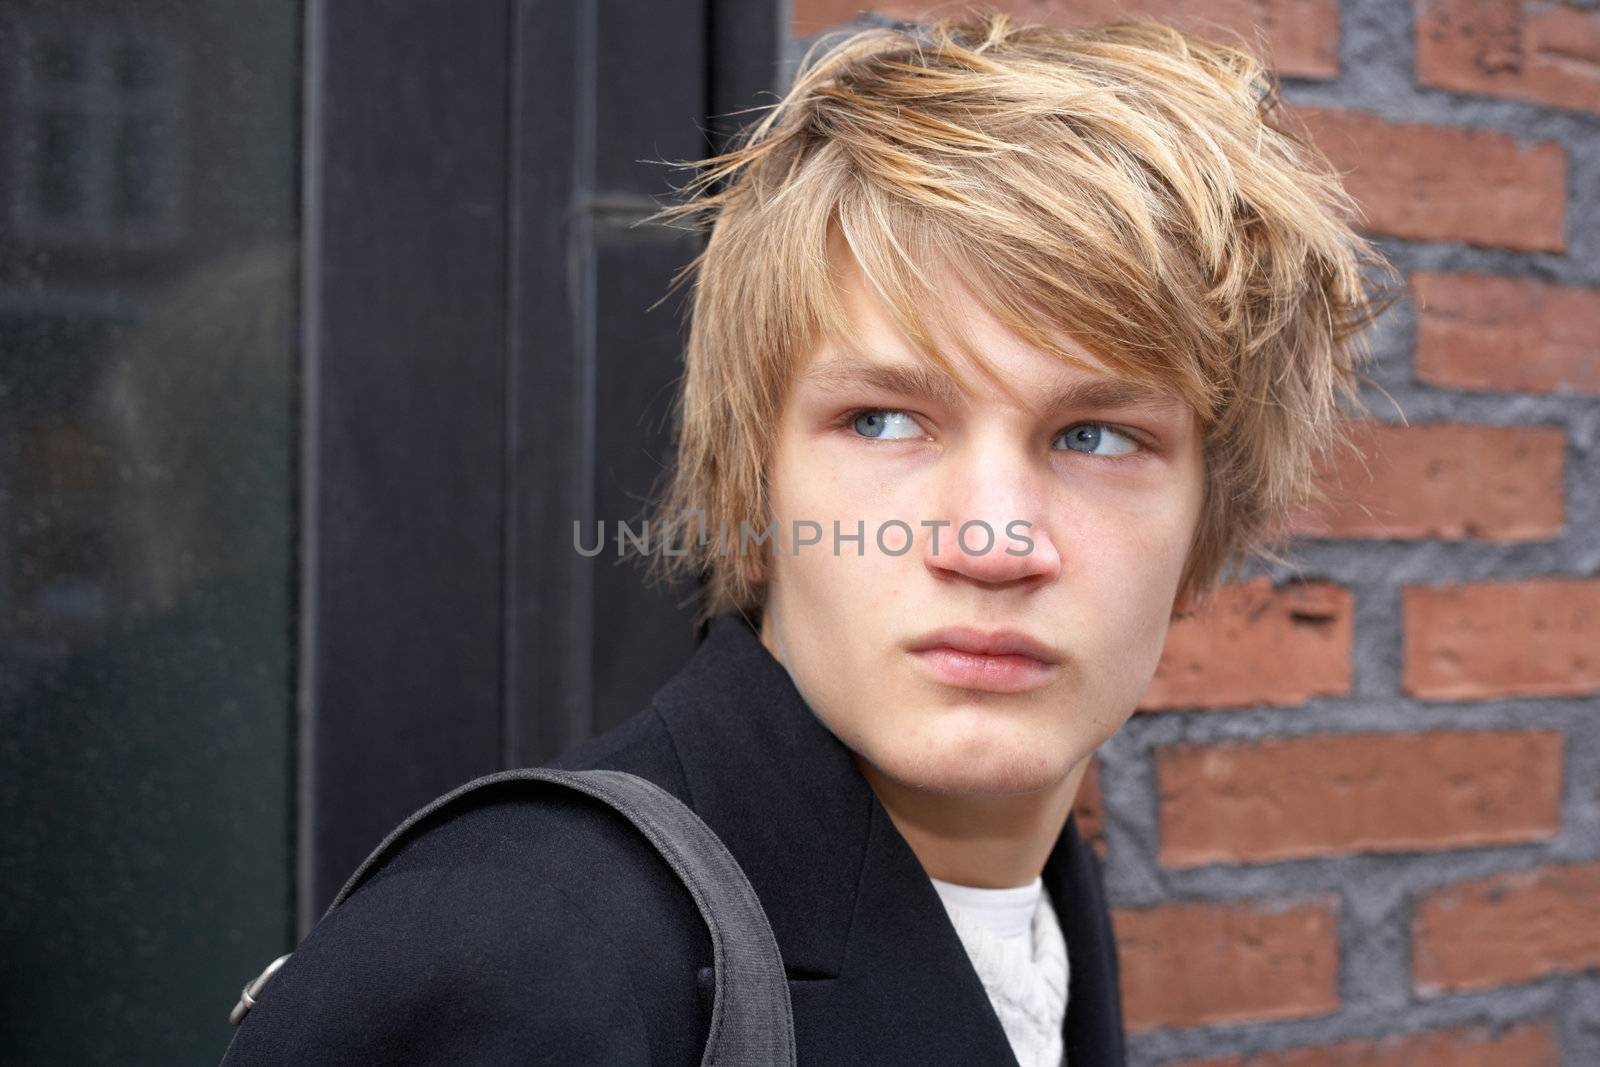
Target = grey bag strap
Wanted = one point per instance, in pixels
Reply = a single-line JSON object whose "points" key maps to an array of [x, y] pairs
{"points": [[751, 1020]]}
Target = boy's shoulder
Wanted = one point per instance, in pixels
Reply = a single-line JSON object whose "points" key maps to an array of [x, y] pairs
{"points": [[519, 916]]}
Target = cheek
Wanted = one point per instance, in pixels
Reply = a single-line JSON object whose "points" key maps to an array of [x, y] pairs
{"points": [[1136, 538], [806, 500], [861, 496], [1124, 560], [1151, 522], [841, 607]]}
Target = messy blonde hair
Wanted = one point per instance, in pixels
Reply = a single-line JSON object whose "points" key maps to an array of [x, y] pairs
{"points": [[1131, 186]]}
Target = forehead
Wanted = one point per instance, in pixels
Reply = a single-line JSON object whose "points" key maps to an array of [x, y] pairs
{"points": [[845, 370], [869, 350]]}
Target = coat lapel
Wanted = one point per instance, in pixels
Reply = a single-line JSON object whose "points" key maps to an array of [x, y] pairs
{"points": [[876, 970], [1092, 1032]]}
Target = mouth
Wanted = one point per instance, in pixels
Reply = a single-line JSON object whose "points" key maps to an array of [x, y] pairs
{"points": [[1004, 661]]}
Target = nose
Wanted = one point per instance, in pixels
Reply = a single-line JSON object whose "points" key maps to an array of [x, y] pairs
{"points": [[990, 529]]}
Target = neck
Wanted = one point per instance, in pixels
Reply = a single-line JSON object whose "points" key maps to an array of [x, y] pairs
{"points": [[991, 841]]}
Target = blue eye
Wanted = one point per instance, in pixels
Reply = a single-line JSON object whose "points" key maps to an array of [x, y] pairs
{"points": [[1087, 437], [884, 424]]}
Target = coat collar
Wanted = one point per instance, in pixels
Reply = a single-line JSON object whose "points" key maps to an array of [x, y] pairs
{"points": [[852, 909]]}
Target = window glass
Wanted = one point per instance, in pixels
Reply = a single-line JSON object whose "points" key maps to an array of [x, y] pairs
{"points": [[148, 280]]}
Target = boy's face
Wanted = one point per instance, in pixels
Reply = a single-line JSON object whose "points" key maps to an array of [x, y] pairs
{"points": [[1112, 489]]}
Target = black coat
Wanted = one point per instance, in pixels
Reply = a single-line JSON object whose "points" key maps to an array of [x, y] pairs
{"points": [[546, 931]]}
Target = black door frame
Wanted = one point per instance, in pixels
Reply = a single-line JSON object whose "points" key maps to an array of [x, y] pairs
{"points": [[478, 372]]}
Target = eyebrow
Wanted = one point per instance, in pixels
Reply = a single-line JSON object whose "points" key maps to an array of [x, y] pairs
{"points": [[918, 380], [850, 371]]}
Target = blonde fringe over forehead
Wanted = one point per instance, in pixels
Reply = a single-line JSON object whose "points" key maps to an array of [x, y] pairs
{"points": [[1130, 188]]}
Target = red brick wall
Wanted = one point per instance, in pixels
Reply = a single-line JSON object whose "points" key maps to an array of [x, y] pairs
{"points": [[1357, 819]]}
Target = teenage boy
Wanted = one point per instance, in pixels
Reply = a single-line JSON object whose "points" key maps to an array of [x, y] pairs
{"points": [[1006, 340]]}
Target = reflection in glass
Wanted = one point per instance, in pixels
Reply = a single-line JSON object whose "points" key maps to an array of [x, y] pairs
{"points": [[148, 272]]}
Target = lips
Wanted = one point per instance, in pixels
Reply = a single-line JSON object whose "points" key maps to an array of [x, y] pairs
{"points": [[987, 643], [1000, 661]]}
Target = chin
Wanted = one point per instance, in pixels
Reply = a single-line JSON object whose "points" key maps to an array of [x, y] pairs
{"points": [[998, 765]]}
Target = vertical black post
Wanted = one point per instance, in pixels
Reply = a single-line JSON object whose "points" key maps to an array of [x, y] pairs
{"points": [[405, 273], [636, 85], [483, 369]]}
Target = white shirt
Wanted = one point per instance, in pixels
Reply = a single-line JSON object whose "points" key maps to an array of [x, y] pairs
{"points": [[1018, 950]]}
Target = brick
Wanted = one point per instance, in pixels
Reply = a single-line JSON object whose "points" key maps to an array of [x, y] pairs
{"points": [[1470, 325], [1449, 481], [1195, 964], [1301, 36], [1526, 1045], [1255, 644], [1090, 809], [1490, 640], [1442, 183], [1507, 929], [1539, 51], [1291, 798]]}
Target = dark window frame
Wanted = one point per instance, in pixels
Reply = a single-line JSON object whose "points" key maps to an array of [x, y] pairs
{"points": [[471, 288]]}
